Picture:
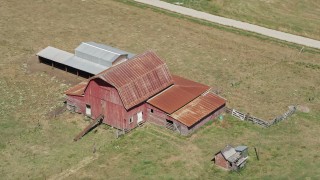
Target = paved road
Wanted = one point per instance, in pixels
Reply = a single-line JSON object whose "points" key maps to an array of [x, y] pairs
{"points": [[233, 23]]}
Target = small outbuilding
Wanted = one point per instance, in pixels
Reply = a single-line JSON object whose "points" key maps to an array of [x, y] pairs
{"points": [[231, 158]]}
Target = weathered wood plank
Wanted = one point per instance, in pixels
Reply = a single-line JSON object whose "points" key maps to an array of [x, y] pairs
{"points": [[89, 127]]}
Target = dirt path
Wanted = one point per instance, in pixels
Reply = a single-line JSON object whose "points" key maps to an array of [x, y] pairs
{"points": [[233, 23], [74, 169]]}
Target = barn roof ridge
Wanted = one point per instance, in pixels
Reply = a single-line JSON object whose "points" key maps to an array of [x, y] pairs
{"points": [[112, 52], [115, 66]]}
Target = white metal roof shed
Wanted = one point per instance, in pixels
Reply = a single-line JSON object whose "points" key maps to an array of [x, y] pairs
{"points": [[89, 57], [99, 53]]}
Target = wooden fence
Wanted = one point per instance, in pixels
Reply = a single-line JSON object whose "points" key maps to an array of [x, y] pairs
{"points": [[292, 110], [122, 132], [247, 117]]}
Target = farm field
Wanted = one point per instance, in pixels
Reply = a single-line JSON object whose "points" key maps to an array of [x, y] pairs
{"points": [[258, 76], [292, 16]]}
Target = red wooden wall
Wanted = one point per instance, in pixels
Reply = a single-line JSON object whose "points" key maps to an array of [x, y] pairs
{"points": [[104, 99], [221, 161], [76, 103]]}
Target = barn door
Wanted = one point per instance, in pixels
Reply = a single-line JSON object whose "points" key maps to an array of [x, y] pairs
{"points": [[88, 110], [140, 119]]}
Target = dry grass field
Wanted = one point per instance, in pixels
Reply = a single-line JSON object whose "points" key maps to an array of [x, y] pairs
{"points": [[258, 76], [293, 16]]}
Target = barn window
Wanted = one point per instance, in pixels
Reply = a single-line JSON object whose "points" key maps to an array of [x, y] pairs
{"points": [[169, 122], [130, 120], [151, 110]]}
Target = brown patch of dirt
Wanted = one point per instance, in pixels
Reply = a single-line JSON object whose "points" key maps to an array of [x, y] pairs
{"points": [[56, 112], [76, 118], [86, 161], [37, 149], [223, 124], [171, 160], [34, 66], [302, 108]]}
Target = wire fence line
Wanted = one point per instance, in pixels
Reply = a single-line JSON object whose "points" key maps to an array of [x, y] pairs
{"points": [[247, 117]]}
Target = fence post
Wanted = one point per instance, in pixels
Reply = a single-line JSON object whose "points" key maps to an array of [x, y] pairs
{"points": [[247, 117], [257, 155]]}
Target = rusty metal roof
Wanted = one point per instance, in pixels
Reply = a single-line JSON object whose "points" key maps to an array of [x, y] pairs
{"points": [[189, 85], [78, 89], [198, 109], [181, 93], [138, 79]]}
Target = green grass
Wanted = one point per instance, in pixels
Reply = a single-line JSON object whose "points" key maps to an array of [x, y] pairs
{"points": [[293, 16], [256, 76], [224, 28]]}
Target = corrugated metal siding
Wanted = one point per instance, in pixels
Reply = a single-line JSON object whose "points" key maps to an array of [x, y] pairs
{"points": [[119, 60], [89, 57], [96, 55], [138, 79], [54, 54], [68, 59], [228, 151], [203, 121], [172, 99], [182, 92], [198, 109], [99, 53], [112, 49], [85, 65], [189, 85]]}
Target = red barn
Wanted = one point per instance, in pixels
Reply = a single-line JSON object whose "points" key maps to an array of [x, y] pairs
{"points": [[142, 89]]}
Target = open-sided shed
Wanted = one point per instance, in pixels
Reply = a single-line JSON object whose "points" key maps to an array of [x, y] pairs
{"points": [[90, 58]]}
